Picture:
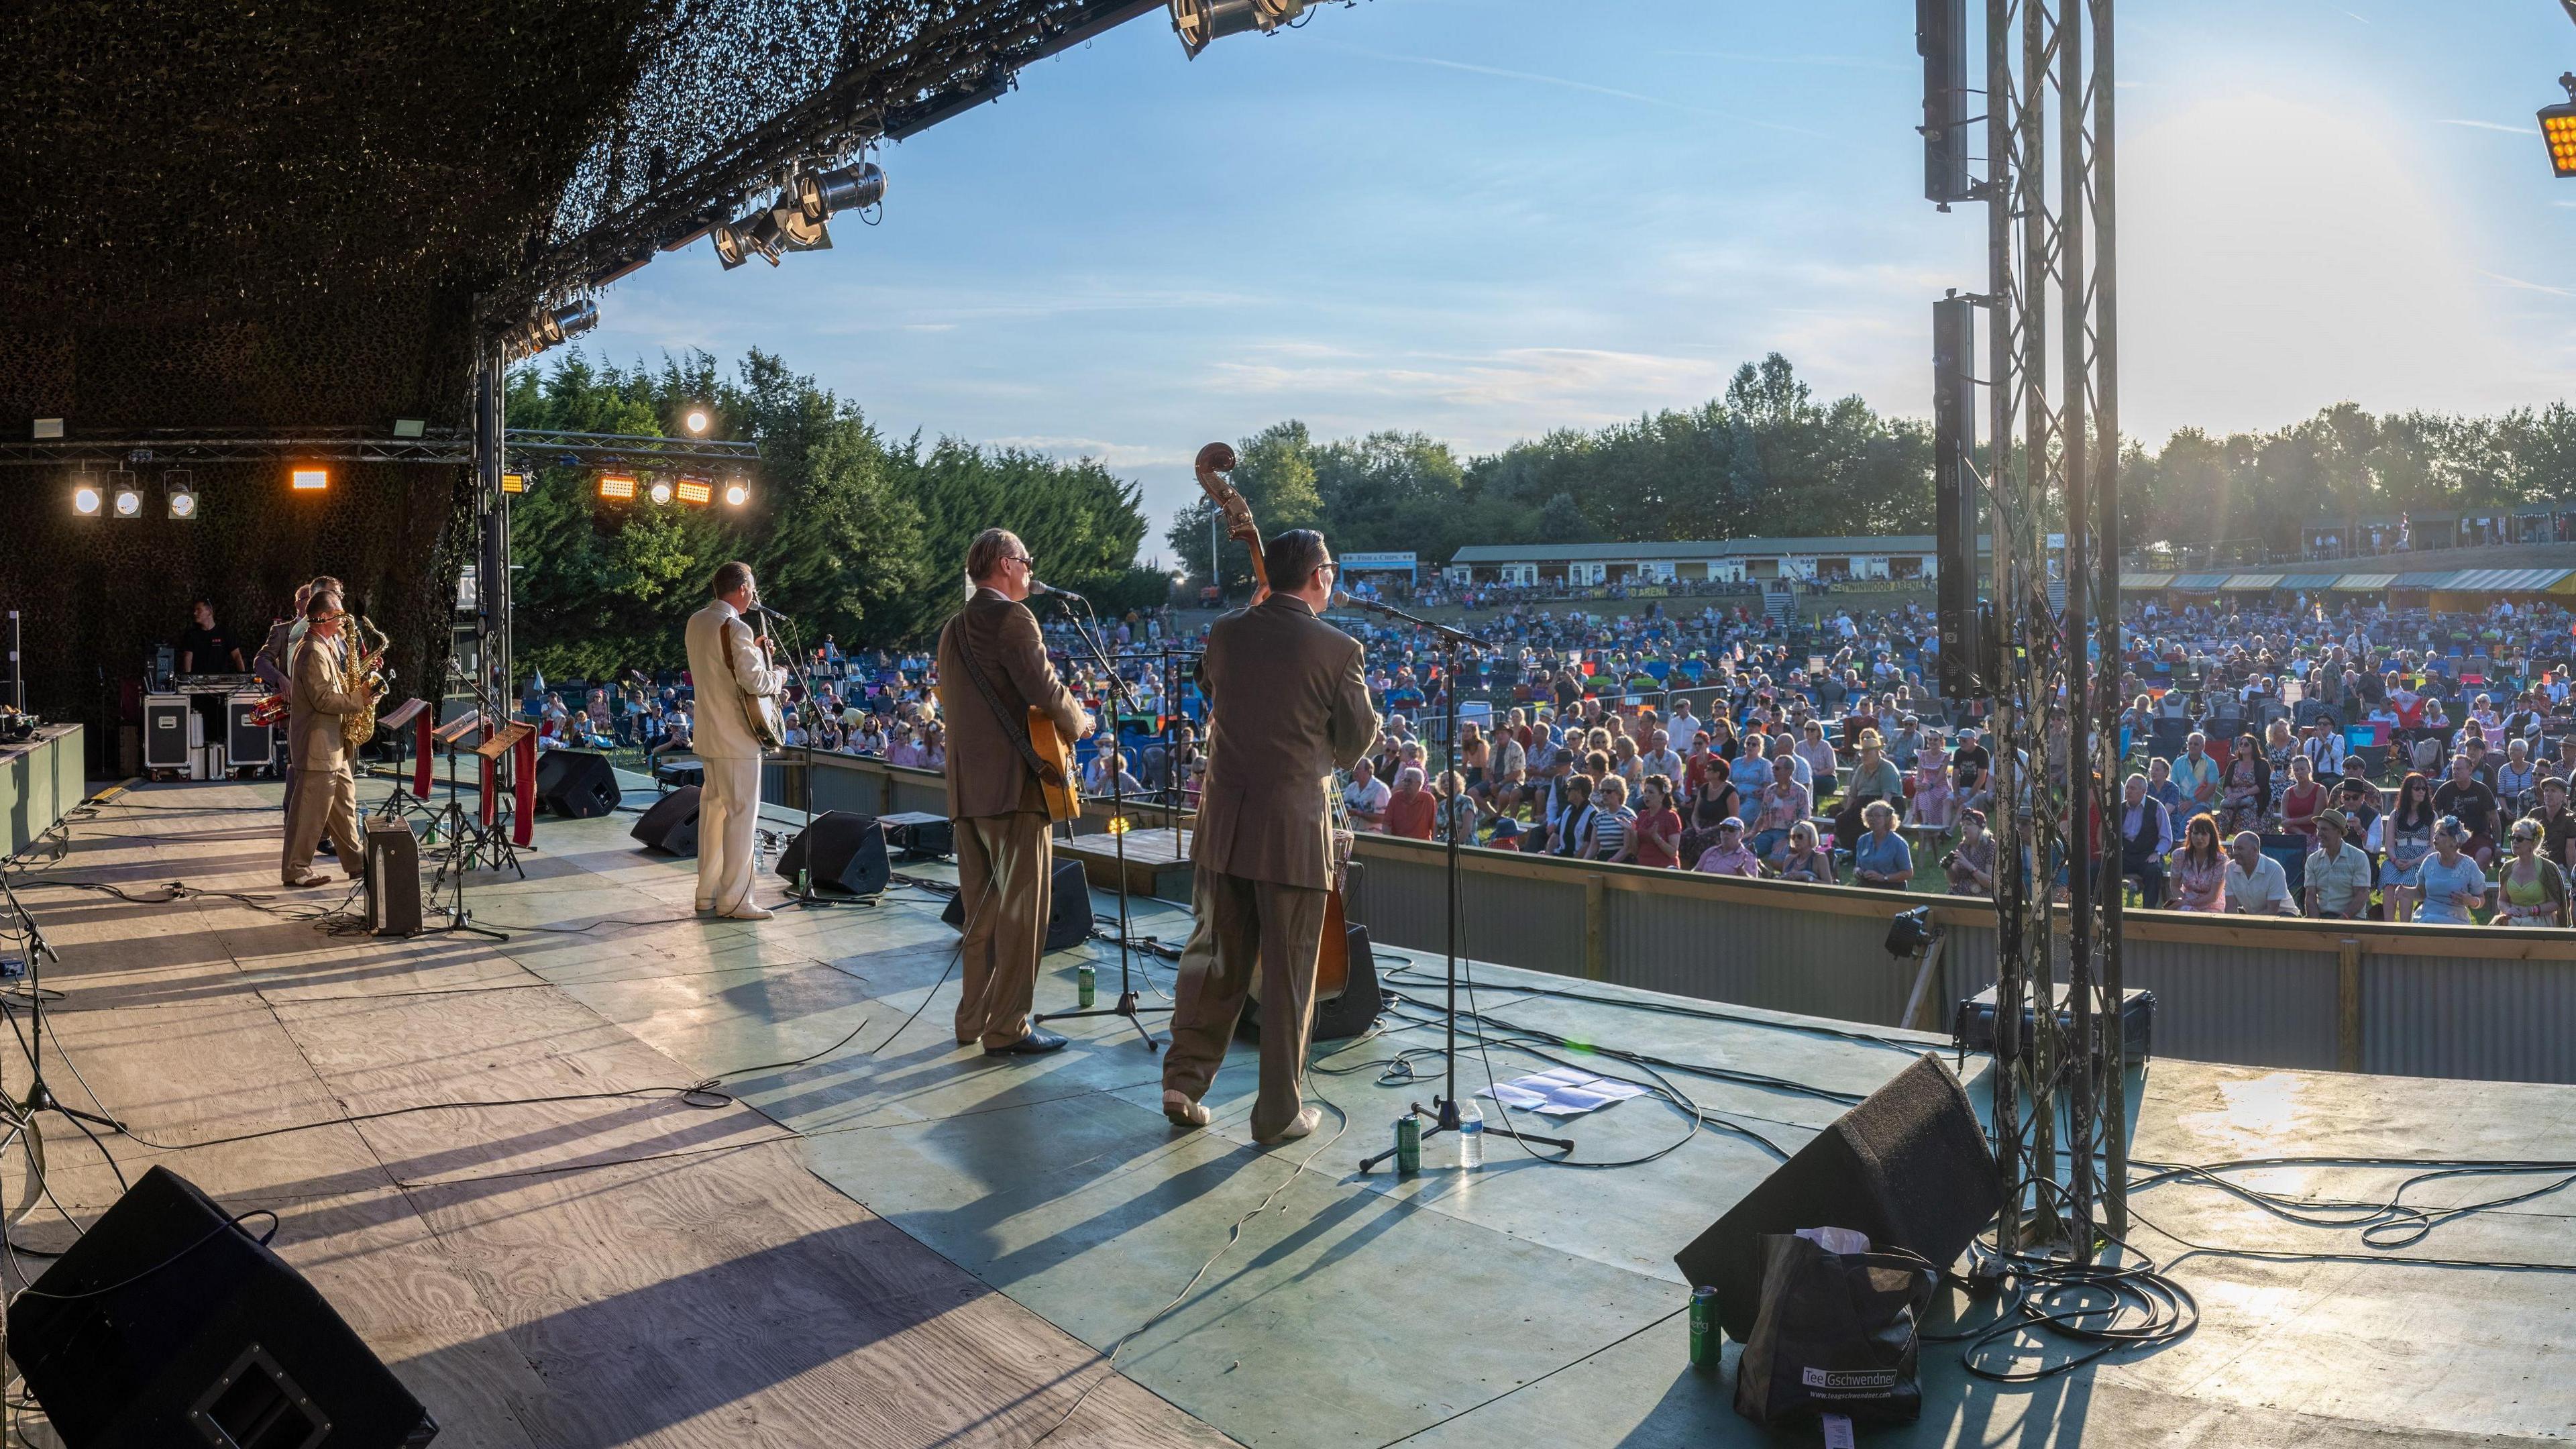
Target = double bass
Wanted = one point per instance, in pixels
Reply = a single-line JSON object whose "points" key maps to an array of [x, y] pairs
{"points": [[1333, 955]]}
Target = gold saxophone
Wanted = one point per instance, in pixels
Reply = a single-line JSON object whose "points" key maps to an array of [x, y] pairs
{"points": [[363, 674]]}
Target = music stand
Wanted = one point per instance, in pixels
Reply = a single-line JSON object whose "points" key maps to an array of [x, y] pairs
{"points": [[402, 802]]}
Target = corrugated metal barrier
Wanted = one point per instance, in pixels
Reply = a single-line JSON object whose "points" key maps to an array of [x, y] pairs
{"points": [[2437, 1001]]}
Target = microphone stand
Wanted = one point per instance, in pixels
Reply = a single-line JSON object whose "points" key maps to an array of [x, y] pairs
{"points": [[803, 894], [1127, 1004], [1442, 1114]]}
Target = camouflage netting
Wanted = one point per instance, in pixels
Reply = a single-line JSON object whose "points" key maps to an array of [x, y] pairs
{"points": [[296, 214]]}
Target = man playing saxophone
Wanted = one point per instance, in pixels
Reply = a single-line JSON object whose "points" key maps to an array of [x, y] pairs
{"points": [[320, 703]]}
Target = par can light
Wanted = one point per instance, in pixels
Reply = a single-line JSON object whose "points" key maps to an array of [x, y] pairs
{"points": [[661, 490], [127, 501], [182, 490], [821, 194], [736, 494], [1198, 22], [85, 499]]}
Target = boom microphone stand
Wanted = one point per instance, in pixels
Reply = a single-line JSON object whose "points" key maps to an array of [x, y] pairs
{"points": [[1127, 1005], [803, 894], [1443, 1111]]}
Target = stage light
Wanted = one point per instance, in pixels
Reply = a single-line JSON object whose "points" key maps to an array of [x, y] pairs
{"points": [[86, 498], [125, 497], [737, 493], [514, 482], [182, 490], [1197, 22], [821, 194], [696, 491], [752, 234], [2558, 130], [410, 427], [661, 490], [697, 422], [619, 486], [306, 478]]}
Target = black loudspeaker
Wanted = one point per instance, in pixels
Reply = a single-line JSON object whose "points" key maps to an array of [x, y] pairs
{"points": [[247, 745], [1909, 1167], [847, 852], [1346, 1015], [919, 835], [1068, 908], [393, 878], [576, 784], [167, 1325], [671, 826]]}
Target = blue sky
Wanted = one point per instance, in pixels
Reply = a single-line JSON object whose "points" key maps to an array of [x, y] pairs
{"points": [[1483, 219]]}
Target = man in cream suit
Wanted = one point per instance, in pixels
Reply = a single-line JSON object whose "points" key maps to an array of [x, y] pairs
{"points": [[728, 664], [325, 802]]}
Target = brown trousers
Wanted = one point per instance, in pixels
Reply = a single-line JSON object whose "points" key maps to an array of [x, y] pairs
{"points": [[1244, 926], [1006, 875], [327, 801]]}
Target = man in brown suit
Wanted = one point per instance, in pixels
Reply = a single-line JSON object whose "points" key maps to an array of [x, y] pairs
{"points": [[1289, 705], [326, 798], [1005, 865]]}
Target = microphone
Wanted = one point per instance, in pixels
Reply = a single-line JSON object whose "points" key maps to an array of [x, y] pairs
{"points": [[1038, 588]]}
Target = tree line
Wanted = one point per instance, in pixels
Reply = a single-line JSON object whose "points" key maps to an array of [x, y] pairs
{"points": [[1769, 459], [851, 533]]}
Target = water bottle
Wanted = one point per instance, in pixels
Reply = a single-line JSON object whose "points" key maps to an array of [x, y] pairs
{"points": [[1471, 1137]]}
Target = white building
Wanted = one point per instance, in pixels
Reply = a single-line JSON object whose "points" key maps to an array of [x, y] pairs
{"points": [[1742, 560]]}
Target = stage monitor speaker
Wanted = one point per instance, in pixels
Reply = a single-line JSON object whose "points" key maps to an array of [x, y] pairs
{"points": [[919, 835], [846, 850], [1909, 1167], [576, 784], [393, 878], [168, 1325], [1344, 1016], [671, 826], [165, 731], [247, 745], [1068, 908]]}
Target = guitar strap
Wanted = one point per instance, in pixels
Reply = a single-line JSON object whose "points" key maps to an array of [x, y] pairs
{"points": [[1016, 731]]}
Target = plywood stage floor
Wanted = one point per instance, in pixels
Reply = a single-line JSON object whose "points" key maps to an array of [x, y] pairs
{"points": [[903, 1242]]}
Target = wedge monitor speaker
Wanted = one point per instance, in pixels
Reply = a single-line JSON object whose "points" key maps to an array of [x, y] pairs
{"points": [[576, 784], [671, 826], [846, 852]]}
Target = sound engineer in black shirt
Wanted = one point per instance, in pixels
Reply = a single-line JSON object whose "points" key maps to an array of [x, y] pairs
{"points": [[204, 647]]}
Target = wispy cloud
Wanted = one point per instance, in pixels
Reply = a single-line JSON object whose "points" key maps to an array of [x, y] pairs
{"points": [[1838, 62], [2489, 126], [1567, 83], [1114, 455], [2518, 284]]}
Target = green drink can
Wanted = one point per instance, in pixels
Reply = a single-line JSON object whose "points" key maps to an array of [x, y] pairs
{"points": [[1408, 1145], [1704, 1344], [1086, 982]]}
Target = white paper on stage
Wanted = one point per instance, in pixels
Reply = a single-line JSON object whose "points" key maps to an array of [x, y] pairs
{"points": [[1561, 1092]]}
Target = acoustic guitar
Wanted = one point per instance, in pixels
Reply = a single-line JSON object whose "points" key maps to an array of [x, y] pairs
{"points": [[1055, 773], [1333, 955]]}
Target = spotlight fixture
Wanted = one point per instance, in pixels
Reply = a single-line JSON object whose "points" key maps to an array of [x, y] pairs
{"points": [[551, 326], [697, 422], [743, 238], [308, 478], [86, 498], [737, 493], [1198, 22], [661, 490], [125, 497], [514, 482], [619, 486], [696, 491], [817, 195], [182, 491], [2558, 129]]}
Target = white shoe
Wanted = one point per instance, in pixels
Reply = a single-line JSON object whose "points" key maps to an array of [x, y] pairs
{"points": [[704, 907], [748, 912], [1303, 1123], [1184, 1112]]}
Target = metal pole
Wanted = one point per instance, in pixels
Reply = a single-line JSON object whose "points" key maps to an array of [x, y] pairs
{"points": [[2106, 597], [492, 569], [2001, 521], [2084, 823]]}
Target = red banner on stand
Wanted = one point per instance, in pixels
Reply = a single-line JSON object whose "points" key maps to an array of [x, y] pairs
{"points": [[523, 794], [420, 756], [487, 802]]}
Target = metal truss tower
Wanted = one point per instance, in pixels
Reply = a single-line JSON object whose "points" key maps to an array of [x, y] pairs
{"points": [[2052, 469]]}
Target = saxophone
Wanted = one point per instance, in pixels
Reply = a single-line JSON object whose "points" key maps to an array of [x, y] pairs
{"points": [[363, 674]]}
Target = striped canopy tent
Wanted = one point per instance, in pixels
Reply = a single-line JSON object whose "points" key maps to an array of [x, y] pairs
{"points": [[2308, 581], [2251, 583], [2507, 581], [2200, 583], [2362, 583], [2133, 580], [2423, 579]]}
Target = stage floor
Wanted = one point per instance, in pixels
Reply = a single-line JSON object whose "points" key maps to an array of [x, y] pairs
{"points": [[906, 1242]]}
